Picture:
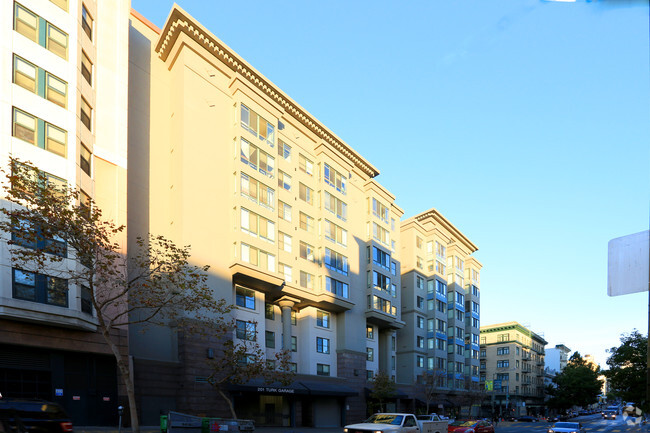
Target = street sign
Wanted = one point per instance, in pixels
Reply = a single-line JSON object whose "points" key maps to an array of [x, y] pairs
{"points": [[628, 264], [489, 385]]}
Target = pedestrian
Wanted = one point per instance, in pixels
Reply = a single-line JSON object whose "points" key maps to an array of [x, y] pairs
{"points": [[495, 420]]}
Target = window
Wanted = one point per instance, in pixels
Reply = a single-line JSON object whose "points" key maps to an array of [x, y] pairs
{"points": [[86, 113], [420, 342], [57, 41], [475, 307], [322, 369], [270, 339], [306, 222], [336, 206], [459, 263], [441, 251], [294, 317], [257, 257], [420, 320], [293, 367], [370, 354], [322, 345], [25, 74], [27, 235], [257, 192], [305, 165], [441, 306], [420, 302], [286, 271], [258, 126], [284, 242], [337, 287], [503, 363], [418, 242], [294, 343], [284, 150], [306, 280], [380, 258], [256, 158], [441, 288], [307, 251], [440, 267], [284, 180], [269, 311], [381, 304], [393, 268], [26, 127], [257, 226], [30, 286], [85, 203], [380, 281], [419, 282], [26, 22], [370, 332], [369, 374], [503, 350], [30, 25], [246, 330], [441, 344], [284, 211], [305, 193], [380, 234], [336, 261], [441, 325], [420, 361], [323, 319], [380, 210], [335, 233], [86, 22], [86, 300], [85, 159], [245, 298], [333, 178]]}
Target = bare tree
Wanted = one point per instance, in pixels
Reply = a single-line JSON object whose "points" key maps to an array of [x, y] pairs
{"points": [[243, 359], [430, 384], [53, 231]]}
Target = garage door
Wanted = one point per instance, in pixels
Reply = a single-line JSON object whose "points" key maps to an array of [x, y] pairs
{"points": [[327, 412]]}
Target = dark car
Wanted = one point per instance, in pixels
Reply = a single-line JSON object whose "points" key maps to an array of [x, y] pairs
{"points": [[609, 414], [33, 416], [528, 418]]}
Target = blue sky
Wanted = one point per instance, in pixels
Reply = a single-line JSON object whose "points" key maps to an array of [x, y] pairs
{"points": [[525, 122]]}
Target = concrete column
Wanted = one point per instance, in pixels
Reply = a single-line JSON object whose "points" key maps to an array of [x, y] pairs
{"points": [[286, 305]]}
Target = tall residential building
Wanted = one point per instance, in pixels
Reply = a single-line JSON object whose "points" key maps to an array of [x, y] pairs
{"points": [[63, 105], [512, 369], [440, 306], [297, 232]]}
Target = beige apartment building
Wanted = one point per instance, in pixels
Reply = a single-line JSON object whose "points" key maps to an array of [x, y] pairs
{"points": [[63, 104], [295, 229], [440, 309], [512, 369]]}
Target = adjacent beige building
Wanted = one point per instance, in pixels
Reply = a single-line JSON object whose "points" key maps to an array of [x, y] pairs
{"points": [[63, 104], [512, 369], [297, 232]]}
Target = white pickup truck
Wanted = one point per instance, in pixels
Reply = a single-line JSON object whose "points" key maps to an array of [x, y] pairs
{"points": [[397, 423]]}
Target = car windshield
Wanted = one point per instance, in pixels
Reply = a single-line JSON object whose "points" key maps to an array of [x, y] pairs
{"points": [[463, 423], [572, 425], [385, 419]]}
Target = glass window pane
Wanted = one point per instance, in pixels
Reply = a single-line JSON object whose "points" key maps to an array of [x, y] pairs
{"points": [[25, 74], [24, 126], [26, 23], [56, 139], [57, 41]]}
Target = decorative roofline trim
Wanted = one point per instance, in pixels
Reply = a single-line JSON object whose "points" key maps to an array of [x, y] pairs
{"points": [[444, 222], [180, 21]]}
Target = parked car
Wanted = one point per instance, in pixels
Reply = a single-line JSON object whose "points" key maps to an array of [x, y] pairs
{"points": [[567, 427], [528, 418], [396, 423], [34, 416], [471, 426]]}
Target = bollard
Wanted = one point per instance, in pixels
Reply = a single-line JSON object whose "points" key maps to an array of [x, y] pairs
{"points": [[120, 410]]}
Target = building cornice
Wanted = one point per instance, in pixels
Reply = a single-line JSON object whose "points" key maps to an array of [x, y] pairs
{"points": [[180, 22], [443, 222]]}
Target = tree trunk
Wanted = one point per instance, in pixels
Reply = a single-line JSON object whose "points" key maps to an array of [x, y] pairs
{"points": [[125, 372], [230, 405]]}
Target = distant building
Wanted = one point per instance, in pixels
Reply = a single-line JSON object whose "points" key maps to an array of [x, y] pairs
{"points": [[512, 368], [440, 309], [557, 357]]}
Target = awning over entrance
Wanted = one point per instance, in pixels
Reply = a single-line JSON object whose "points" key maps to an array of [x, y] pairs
{"points": [[299, 387]]}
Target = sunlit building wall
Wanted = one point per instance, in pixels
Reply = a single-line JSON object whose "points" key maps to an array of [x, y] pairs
{"points": [[297, 233], [63, 104]]}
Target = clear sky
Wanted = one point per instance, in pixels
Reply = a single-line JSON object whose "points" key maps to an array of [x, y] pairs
{"points": [[525, 122]]}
